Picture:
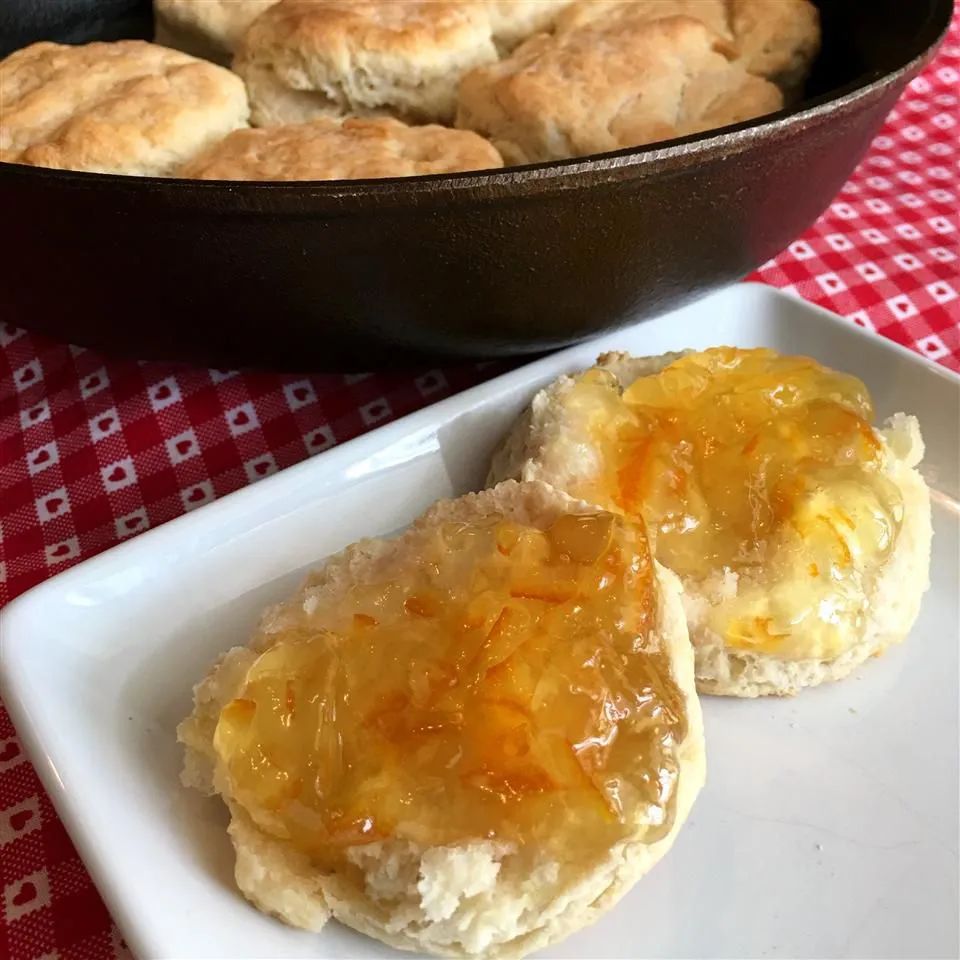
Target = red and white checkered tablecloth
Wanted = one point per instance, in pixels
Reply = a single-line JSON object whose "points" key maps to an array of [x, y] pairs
{"points": [[94, 450]]}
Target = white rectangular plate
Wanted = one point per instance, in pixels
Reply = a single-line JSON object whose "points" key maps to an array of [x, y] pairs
{"points": [[828, 826]]}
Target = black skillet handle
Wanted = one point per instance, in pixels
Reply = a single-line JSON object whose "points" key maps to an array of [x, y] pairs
{"points": [[72, 21]]}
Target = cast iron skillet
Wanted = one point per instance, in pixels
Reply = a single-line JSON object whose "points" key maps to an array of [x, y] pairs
{"points": [[377, 273]]}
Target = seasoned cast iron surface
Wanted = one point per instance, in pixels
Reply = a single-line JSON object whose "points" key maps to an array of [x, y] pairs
{"points": [[380, 273]]}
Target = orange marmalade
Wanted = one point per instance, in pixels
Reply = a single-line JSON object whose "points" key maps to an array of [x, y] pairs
{"points": [[503, 682], [759, 477]]}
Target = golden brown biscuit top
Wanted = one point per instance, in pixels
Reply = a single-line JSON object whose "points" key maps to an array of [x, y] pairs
{"points": [[620, 81], [620, 48], [714, 13], [773, 38], [47, 83], [126, 107], [332, 149], [404, 27]]}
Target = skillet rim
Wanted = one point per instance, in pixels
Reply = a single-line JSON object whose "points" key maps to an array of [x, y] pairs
{"points": [[519, 181]]}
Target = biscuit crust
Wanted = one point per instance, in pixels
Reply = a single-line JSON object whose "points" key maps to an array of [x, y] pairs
{"points": [[128, 107], [303, 59], [775, 39], [619, 81], [329, 148], [714, 13]]}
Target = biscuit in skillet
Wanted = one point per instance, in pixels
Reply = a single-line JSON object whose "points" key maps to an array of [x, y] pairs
{"points": [[303, 58], [513, 21], [206, 28], [776, 39], [331, 148], [714, 13], [617, 82], [128, 107]]}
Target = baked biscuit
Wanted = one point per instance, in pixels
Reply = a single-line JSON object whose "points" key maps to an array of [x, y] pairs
{"points": [[128, 107], [801, 533], [330, 148], [555, 761], [776, 39], [306, 58], [513, 21], [617, 82], [206, 28], [714, 13]]}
